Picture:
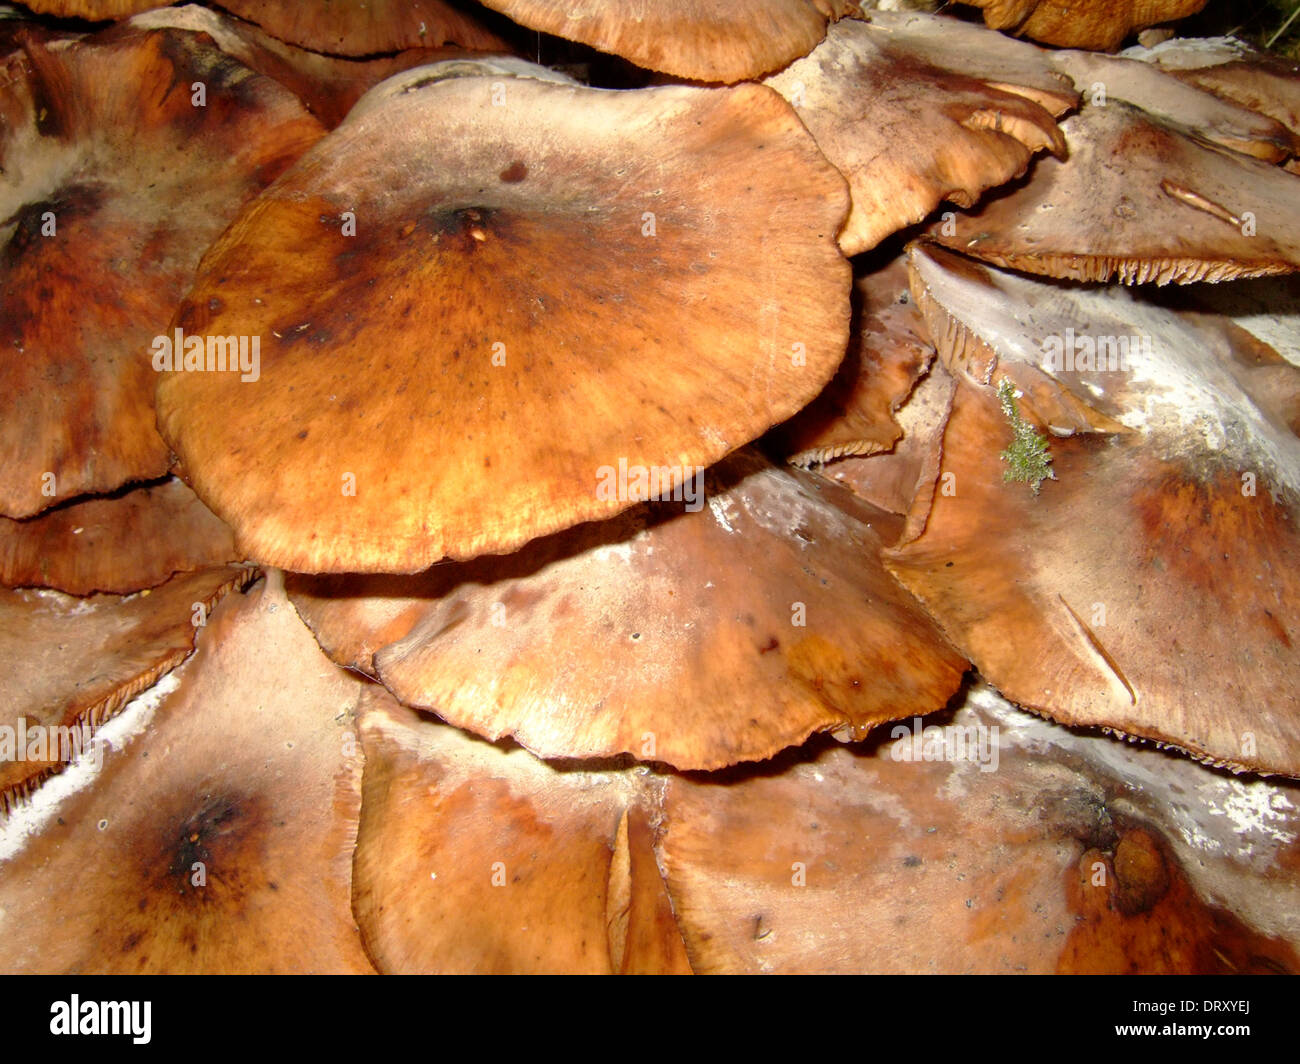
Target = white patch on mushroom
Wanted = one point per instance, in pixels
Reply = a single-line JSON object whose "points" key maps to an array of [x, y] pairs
{"points": [[29, 818]]}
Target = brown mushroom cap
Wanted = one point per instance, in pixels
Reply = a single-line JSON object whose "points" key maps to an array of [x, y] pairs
{"points": [[327, 84], [1262, 81], [699, 222], [218, 838], [78, 661], [1102, 600], [924, 854], [1001, 62], [474, 859], [703, 40], [365, 28], [907, 135], [109, 196], [1179, 103], [888, 352], [94, 10], [119, 544], [1096, 24], [1140, 201], [650, 636], [901, 480]]}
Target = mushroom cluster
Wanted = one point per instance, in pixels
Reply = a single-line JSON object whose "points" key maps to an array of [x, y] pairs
{"points": [[610, 487]]}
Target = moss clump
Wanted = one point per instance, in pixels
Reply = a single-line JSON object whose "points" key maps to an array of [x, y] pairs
{"points": [[1027, 459]]}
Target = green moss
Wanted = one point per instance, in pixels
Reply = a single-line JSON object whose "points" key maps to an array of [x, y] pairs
{"points": [[1028, 459]]}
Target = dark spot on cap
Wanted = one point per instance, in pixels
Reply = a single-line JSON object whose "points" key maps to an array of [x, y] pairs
{"points": [[514, 173]]}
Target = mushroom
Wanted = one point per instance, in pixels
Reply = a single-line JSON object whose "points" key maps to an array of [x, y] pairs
{"points": [[327, 84], [1076, 600], [93, 10], [1098, 24], [725, 42], [456, 249], [366, 29], [671, 650], [1001, 62], [1262, 81], [888, 352], [1164, 97], [217, 835], [108, 200], [871, 107], [119, 543], [476, 859], [1173, 209], [984, 842], [901, 480], [74, 662]]}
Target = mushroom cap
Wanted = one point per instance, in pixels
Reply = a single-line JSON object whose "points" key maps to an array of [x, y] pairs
{"points": [[1264, 82], [901, 481], [75, 661], [1097, 24], [1103, 599], [888, 352], [1138, 200], [110, 195], [1179, 102], [119, 544], [367, 28], [327, 84], [536, 293], [217, 837], [94, 10], [1001, 62], [703, 40], [476, 859], [649, 635], [924, 135], [912, 856]]}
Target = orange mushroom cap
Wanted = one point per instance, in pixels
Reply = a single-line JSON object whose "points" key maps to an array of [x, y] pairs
{"points": [[703, 40], [649, 635], [1099, 600], [122, 161], [217, 836], [906, 134], [468, 313]]}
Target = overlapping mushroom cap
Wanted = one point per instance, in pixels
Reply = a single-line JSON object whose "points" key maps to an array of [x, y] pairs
{"points": [[327, 84], [1099, 24], [72, 663], [671, 651], [122, 161], [216, 834], [482, 296], [871, 104], [988, 841], [1099, 600], [702, 40], [887, 354], [365, 28], [119, 543], [1228, 68], [1163, 96], [1142, 201], [558, 873]]}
